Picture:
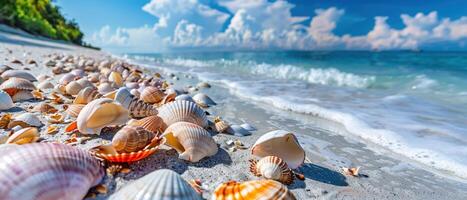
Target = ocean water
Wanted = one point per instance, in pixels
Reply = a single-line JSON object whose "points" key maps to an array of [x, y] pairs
{"points": [[412, 103]]}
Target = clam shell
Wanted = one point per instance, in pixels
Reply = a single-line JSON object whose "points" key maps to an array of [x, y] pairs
{"points": [[86, 95], [152, 95], [22, 95], [136, 107], [272, 167], [25, 120], [43, 77], [100, 113], [282, 144], [160, 184], [73, 88], [203, 100], [45, 85], [13, 85], [78, 72], [64, 172], [24, 136], [18, 74], [105, 88], [5, 101], [66, 79], [151, 123], [131, 139], [44, 108], [182, 111], [117, 78], [107, 152], [74, 109], [185, 97], [191, 141], [259, 189]]}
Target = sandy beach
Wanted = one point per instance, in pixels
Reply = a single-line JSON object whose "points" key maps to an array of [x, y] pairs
{"points": [[383, 174]]}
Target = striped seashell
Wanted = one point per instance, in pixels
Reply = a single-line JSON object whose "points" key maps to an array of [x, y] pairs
{"points": [[22, 95], [5, 101], [64, 172], [221, 125], [100, 113], [185, 97], [152, 95], [131, 139], [85, 83], [24, 136], [18, 74], [86, 95], [160, 184], [105, 88], [67, 78], [44, 108], [94, 77], [203, 100], [25, 120], [151, 123], [116, 78], [74, 109], [191, 141], [45, 85], [258, 190], [282, 144], [13, 85], [182, 111], [272, 167], [73, 88], [108, 152], [136, 107]]}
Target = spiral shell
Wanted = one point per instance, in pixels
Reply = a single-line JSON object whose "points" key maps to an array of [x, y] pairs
{"points": [[272, 167], [86, 95], [5, 101], [25, 120], [160, 184], [259, 189], [131, 139], [182, 111], [152, 95], [18, 74], [100, 113], [73, 88], [14, 85], [24, 136], [64, 172], [22, 95], [151, 123], [191, 141], [74, 109], [109, 153], [136, 107], [203, 100]]}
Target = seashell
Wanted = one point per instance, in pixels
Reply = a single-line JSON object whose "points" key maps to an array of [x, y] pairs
{"points": [[5, 101], [136, 107], [56, 118], [182, 111], [272, 167], [131, 139], [151, 123], [60, 89], [109, 153], [64, 172], [45, 85], [220, 125], [73, 88], [67, 78], [5, 120], [52, 129], [74, 109], [4, 68], [132, 85], [117, 78], [44, 108], [3, 137], [203, 100], [237, 130], [105, 88], [203, 85], [78, 73], [18, 74], [100, 113], [135, 93], [248, 127], [152, 95], [191, 141], [160, 184], [282, 144], [258, 189], [94, 77], [184, 97], [13, 85], [24, 136], [43, 77], [85, 83], [22, 95], [86, 95], [25, 120]]}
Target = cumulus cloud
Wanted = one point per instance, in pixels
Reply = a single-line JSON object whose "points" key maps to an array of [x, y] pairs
{"points": [[262, 24]]}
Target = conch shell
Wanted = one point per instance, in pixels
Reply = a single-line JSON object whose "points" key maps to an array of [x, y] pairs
{"points": [[259, 189], [100, 113]]}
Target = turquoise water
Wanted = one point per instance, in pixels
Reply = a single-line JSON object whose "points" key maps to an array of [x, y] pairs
{"points": [[413, 103]]}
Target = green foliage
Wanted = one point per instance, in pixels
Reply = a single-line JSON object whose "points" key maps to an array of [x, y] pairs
{"points": [[39, 17]]}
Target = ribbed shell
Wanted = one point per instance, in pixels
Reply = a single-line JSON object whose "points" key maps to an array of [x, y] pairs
{"points": [[73, 88], [5, 101], [45, 85], [114, 156], [182, 111], [13, 85], [152, 95], [258, 190], [151, 123], [191, 141], [163, 184], [25, 120], [203, 100], [105, 88], [18, 74], [43, 171], [221, 125], [44, 108], [74, 109], [131, 139], [272, 167], [66, 79], [100, 113], [24, 136], [136, 107], [86, 95], [22, 95]]}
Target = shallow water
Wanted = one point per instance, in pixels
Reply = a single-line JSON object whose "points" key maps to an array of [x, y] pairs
{"points": [[414, 104]]}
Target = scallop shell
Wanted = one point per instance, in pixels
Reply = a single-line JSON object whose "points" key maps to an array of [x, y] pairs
{"points": [[5, 101], [86, 95], [203, 100], [45, 85], [136, 107], [191, 141], [105, 88], [108, 152], [182, 111], [282, 144], [160, 184], [151, 123], [24, 136], [66, 79], [18, 74], [258, 189], [116, 78], [13, 85], [22, 95], [272, 167], [44, 108], [131, 139], [25, 120], [185, 97], [74, 109], [73, 88], [100, 113], [64, 172], [152, 95]]}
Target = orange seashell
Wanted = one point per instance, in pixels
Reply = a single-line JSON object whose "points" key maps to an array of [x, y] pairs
{"points": [[14, 85], [56, 118], [259, 189], [44, 108], [151, 123], [5, 120], [52, 129], [37, 94], [107, 152], [73, 126], [152, 95]]}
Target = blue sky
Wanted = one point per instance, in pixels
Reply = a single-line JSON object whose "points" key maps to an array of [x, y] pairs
{"points": [[174, 25]]}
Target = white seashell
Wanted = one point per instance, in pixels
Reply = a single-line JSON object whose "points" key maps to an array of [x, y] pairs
{"points": [[272, 167], [22, 95], [73, 88], [43, 77], [66, 79], [78, 72], [203, 100], [203, 85], [135, 93], [25, 120], [5, 101], [160, 184], [24, 136], [105, 88], [45, 85], [13, 85], [86, 95], [185, 97], [94, 77], [85, 83], [100, 113], [182, 111], [248, 127], [282, 144], [18, 74], [191, 141], [132, 85]]}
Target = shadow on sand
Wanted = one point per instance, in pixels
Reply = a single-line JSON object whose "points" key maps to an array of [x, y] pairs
{"points": [[321, 174]]}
